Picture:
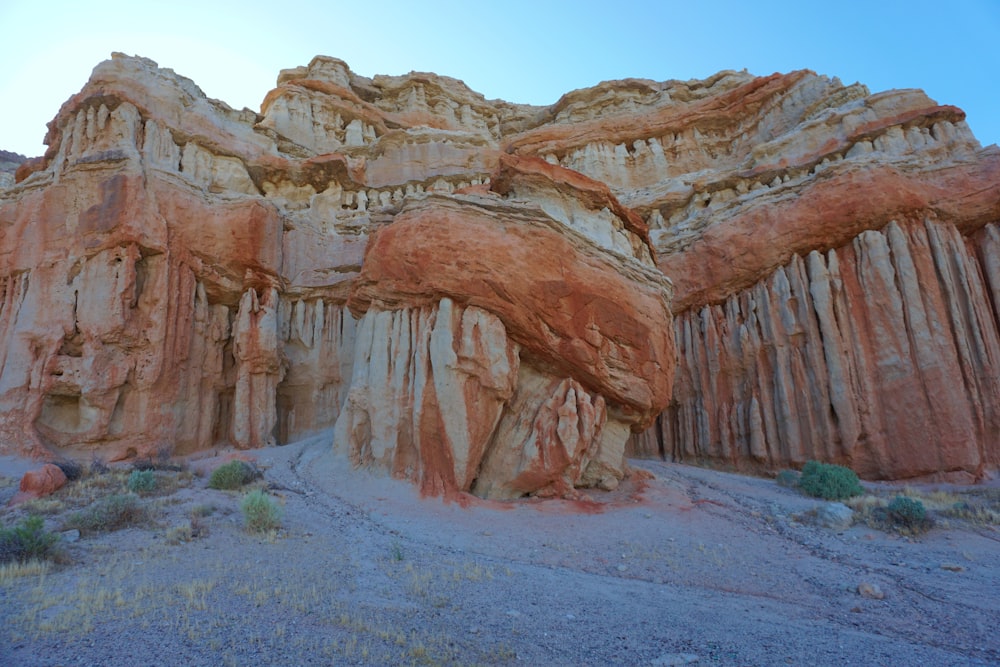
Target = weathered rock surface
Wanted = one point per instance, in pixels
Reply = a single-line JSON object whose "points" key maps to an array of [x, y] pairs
{"points": [[39, 483], [179, 275], [883, 353], [834, 259], [472, 293], [9, 163]]}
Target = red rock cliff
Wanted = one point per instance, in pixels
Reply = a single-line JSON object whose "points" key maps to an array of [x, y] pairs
{"points": [[179, 275], [471, 294]]}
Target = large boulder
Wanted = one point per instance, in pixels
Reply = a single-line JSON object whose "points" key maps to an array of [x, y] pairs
{"points": [[38, 483]]}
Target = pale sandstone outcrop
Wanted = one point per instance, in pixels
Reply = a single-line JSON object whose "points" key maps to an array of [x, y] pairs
{"points": [[471, 293], [428, 388]]}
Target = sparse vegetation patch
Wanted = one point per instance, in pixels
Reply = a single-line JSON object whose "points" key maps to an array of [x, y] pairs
{"points": [[27, 541], [232, 475], [260, 512], [121, 510], [829, 481]]}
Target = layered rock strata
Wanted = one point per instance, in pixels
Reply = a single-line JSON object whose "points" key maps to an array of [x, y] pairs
{"points": [[178, 275], [471, 293], [834, 264]]}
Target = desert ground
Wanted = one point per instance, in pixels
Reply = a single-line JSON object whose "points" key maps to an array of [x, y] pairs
{"points": [[681, 565]]}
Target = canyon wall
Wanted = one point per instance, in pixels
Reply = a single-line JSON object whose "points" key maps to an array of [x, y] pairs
{"points": [[474, 295], [178, 275]]}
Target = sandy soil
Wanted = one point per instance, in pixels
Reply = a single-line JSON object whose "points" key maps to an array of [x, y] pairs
{"points": [[689, 566]]}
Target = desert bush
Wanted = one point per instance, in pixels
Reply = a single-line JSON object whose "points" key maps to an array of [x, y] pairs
{"points": [[114, 512], [232, 475], [141, 481], [27, 541], [828, 481], [908, 513], [260, 512]]}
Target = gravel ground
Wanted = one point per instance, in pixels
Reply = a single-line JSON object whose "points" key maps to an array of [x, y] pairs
{"points": [[680, 566]]}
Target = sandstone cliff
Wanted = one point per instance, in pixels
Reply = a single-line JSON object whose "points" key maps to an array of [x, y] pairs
{"points": [[179, 275], [472, 293]]}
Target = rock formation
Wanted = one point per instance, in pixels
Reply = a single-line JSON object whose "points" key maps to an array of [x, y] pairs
{"points": [[472, 294], [9, 163], [39, 483], [835, 261], [179, 275]]}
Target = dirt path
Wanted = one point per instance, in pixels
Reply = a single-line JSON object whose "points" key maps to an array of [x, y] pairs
{"points": [[689, 567]]}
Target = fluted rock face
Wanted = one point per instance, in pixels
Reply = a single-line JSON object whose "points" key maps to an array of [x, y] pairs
{"points": [[178, 275], [472, 294], [428, 388], [834, 268], [883, 353]]}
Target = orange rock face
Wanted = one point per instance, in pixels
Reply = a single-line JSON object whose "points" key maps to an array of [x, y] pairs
{"points": [[40, 483], [177, 276], [577, 311], [474, 295]]}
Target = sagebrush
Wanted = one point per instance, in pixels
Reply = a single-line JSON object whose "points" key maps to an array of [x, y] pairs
{"points": [[232, 475], [908, 513], [27, 541], [829, 481], [141, 481], [114, 512]]}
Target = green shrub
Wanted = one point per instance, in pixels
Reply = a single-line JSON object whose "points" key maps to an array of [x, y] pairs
{"points": [[27, 541], [260, 512], [907, 512], [111, 513], [828, 481], [141, 481], [232, 475]]}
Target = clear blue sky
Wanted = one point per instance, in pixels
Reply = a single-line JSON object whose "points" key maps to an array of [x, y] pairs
{"points": [[520, 51]]}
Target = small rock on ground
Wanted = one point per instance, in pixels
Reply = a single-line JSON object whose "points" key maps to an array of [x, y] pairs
{"points": [[837, 516], [870, 591]]}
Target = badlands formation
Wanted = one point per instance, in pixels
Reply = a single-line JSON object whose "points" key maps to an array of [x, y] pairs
{"points": [[505, 299]]}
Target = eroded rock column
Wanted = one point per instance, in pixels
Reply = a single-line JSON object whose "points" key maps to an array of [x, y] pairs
{"points": [[883, 354], [258, 369]]}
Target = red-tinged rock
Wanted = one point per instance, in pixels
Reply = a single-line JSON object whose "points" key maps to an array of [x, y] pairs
{"points": [[525, 176], [570, 306], [40, 483], [175, 275], [746, 243]]}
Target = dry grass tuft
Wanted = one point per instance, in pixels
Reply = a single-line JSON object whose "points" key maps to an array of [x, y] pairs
{"points": [[32, 568]]}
